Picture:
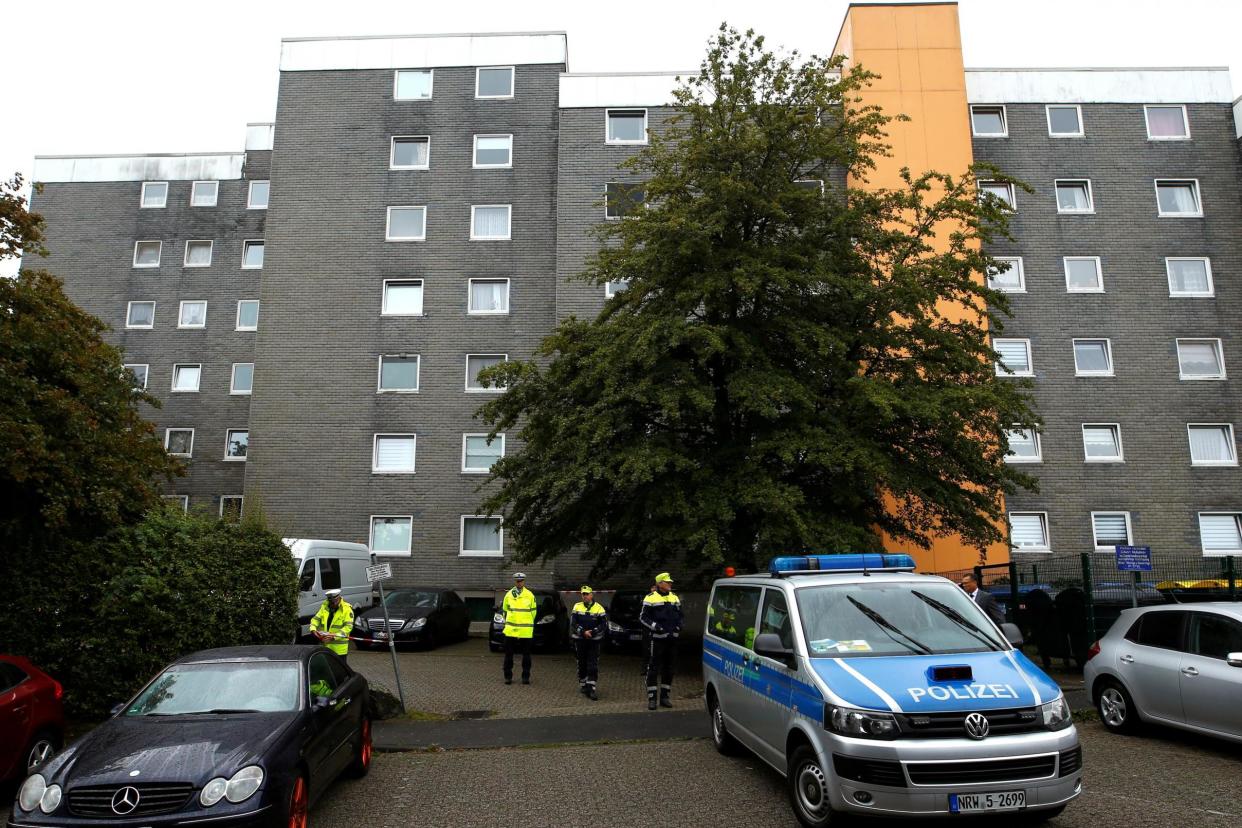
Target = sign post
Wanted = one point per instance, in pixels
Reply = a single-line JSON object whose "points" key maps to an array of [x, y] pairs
{"points": [[1134, 559], [377, 573]]}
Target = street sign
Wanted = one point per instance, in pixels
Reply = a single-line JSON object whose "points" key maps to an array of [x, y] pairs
{"points": [[379, 572], [1133, 558]]}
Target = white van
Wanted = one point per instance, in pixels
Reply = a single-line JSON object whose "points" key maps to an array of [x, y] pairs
{"points": [[329, 564]]}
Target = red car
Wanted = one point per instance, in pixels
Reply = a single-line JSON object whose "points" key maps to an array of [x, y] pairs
{"points": [[32, 722]]}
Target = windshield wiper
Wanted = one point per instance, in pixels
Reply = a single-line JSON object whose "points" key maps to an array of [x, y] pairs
{"points": [[223, 710], [888, 627], [954, 615]]}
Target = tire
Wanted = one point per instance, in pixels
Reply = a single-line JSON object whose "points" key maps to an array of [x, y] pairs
{"points": [[361, 765], [807, 783], [493, 646], [297, 810], [722, 739], [430, 640], [1116, 708], [42, 747]]}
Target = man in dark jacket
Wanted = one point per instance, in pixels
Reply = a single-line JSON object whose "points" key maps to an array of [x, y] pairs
{"points": [[588, 624], [985, 599], [662, 619]]}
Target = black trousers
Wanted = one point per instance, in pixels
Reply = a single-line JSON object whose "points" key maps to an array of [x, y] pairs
{"points": [[660, 656], [518, 645], [588, 661]]}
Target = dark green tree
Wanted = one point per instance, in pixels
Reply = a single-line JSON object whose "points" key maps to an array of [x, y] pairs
{"points": [[779, 375]]}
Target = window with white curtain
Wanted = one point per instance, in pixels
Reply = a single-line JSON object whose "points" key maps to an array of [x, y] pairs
{"points": [[204, 193], [406, 224], [192, 315], [1023, 446], [476, 363], [147, 253], [481, 535], [390, 535], [140, 315], [1083, 274], [197, 254], [489, 296], [1166, 123], [1028, 531], [1007, 276], [179, 442], [154, 194], [489, 221], [1220, 533], [1110, 529], [1189, 276], [402, 297], [1093, 358], [1178, 198], [1101, 442], [1200, 359], [1004, 192], [1074, 196], [1015, 357], [410, 152], [478, 454], [393, 454], [1211, 444]]}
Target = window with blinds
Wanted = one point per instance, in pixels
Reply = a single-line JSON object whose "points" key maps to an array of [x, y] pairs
{"points": [[1101, 442], [476, 363], [1212, 445], [1220, 533], [1110, 529], [478, 454], [1028, 531], [1015, 357], [393, 454]]}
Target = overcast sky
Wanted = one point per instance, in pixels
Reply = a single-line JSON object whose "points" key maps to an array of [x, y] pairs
{"points": [[122, 77]]}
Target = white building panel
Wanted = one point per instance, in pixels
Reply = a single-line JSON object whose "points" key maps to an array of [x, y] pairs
{"points": [[639, 89], [82, 168], [422, 51], [259, 136], [1141, 86]]}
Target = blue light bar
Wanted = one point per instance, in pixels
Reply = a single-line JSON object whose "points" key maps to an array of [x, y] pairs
{"points": [[850, 562]]}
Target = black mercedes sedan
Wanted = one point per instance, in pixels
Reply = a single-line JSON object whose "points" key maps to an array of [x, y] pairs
{"points": [[239, 736], [420, 615]]}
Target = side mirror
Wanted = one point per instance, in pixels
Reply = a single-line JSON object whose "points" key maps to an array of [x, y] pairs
{"points": [[1012, 634], [769, 645], [117, 708], [1234, 659]]}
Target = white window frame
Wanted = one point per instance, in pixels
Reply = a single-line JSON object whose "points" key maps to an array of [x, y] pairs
{"points": [[470, 296], [1012, 206], [250, 193], [474, 151], [159, 257], [512, 84], [1185, 122], [1090, 196], [142, 197], [1099, 272], [388, 223], [184, 500], [129, 307], [1043, 522], [475, 553], [1004, 121], [246, 245], [1211, 553], [610, 291], [379, 375], [431, 73], [508, 224], [1233, 446], [1108, 352], [146, 375], [211, 249], [371, 529], [168, 438], [1095, 538], [228, 440], [215, 194], [392, 158], [1198, 197], [238, 326], [1001, 371], [619, 142], [375, 468], [233, 380], [197, 386], [1039, 448], [797, 181], [1015, 266], [241, 502], [384, 297], [181, 311], [1082, 130], [469, 390], [1120, 457], [475, 470], [1220, 356], [1211, 284]]}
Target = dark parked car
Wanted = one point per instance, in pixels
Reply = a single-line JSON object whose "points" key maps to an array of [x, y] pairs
{"points": [[551, 623], [31, 718], [419, 615], [228, 737], [624, 631]]}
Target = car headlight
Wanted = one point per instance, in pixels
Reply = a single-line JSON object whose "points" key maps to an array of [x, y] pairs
{"points": [[50, 799], [359, 623], [1056, 714], [32, 791], [613, 626], [237, 788], [416, 624], [864, 723], [547, 619], [213, 792], [498, 618]]}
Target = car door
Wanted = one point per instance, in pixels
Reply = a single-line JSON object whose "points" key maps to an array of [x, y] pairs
{"points": [[1150, 664], [770, 682], [328, 752], [1211, 688], [727, 648]]}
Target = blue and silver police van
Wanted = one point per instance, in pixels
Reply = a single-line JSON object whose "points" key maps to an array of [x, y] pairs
{"points": [[878, 691]]}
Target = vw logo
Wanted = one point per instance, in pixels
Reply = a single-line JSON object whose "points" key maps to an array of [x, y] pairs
{"points": [[977, 726], [125, 800]]}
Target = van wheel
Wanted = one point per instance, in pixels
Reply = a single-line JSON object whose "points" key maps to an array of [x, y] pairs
{"points": [[808, 790], [1116, 708], [721, 737]]}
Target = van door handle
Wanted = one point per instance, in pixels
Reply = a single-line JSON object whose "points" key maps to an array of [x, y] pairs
{"points": [[1190, 671], [1128, 659]]}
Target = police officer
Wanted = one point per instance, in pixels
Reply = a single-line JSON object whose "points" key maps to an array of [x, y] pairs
{"points": [[588, 625], [332, 623], [661, 617], [646, 649], [519, 608]]}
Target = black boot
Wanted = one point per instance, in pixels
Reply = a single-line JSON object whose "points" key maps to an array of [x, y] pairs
{"points": [[651, 701], [582, 688], [664, 700], [591, 694]]}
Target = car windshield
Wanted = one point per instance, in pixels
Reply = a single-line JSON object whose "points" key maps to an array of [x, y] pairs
{"points": [[224, 687], [404, 600], [627, 604], [885, 619]]}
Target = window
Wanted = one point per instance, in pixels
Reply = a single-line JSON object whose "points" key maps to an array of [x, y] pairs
{"points": [[192, 315], [248, 315], [1189, 276], [732, 614], [1214, 636], [179, 442], [198, 254], [236, 443], [621, 200], [1200, 359], [1093, 358], [204, 193], [412, 85], [257, 195], [1023, 446], [398, 373], [1178, 198], [139, 373], [182, 501], [140, 315], [489, 296], [252, 254], [243, 378], [410, 152], [402, 297], [1065, 121], [999, 190], [10, 676], [393, 454], [775, 618], [1083, 274], [1162, 629], [493, 82], [147, 253], [478, 453], [814, 185], [612, 288], [1007, 275], [391, 535], [1110, 529], [1221, 533], [1014, 357], [1028, 531], [493, 151], [1211, 444], [626, 126], [489, 221], [231, 508], [154, 194], [1074, 196], [186, 377], [1166, 123], [406, 224], [481, 535], [476, 363], [1101, 442], [988, 122]]}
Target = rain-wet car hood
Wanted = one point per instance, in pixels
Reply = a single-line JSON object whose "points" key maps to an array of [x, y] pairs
{"points": [[396, 614]]}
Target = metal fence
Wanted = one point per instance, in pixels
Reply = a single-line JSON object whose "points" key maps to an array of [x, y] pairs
{"points": [[1064, 603]]}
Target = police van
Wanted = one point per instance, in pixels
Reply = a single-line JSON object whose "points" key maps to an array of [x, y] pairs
{"points": [[878, 691]]}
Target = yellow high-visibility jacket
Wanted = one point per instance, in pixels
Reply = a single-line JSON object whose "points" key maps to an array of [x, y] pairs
{"points": [[519, 610], [342, 623]]}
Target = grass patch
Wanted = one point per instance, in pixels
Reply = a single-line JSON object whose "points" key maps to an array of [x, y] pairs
{"points": [[425, 716], [1086, 714]]}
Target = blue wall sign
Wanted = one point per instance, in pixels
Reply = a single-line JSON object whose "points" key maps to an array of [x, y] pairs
{"points": [[1133, 558]]}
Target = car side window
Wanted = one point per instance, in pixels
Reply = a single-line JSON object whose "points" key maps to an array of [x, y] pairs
{"points": [[322, 681], [1163, 630], [307, 581], [1132, 634], [10, 676], [340, 673], [1215, 636], [330, 573], [775, 617], [732, 614]]}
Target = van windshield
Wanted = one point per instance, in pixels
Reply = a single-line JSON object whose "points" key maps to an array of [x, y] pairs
{"points": [[886, 619]]}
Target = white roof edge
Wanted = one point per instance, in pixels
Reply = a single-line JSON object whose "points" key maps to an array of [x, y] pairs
{"points": [[660, 74], [424, 51], [425, 36], [586, 91], [1097, 68], [1180, 85], [218, 166], [138, 155]]}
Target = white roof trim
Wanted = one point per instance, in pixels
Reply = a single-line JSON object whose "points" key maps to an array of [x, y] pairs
{"points": [[418, 52], [81, 168], [259, 136], [623, 89], [1175, 85]]}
